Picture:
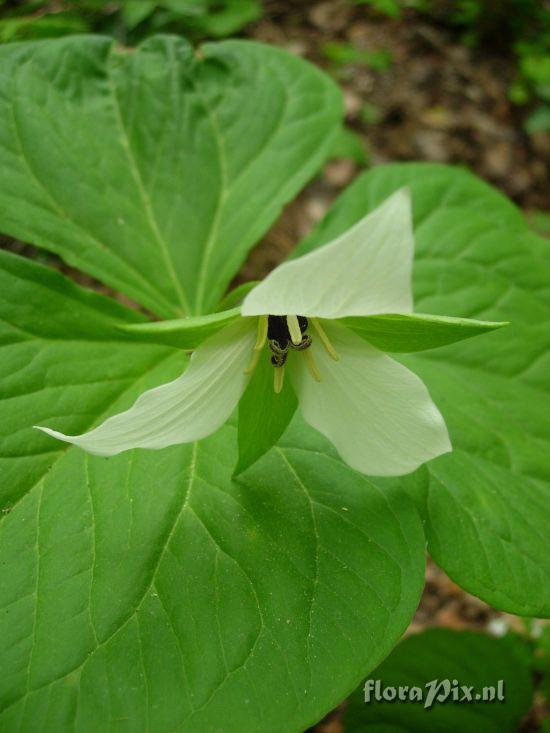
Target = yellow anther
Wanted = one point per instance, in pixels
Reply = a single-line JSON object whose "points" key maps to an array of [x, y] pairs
{"points": [[278, 379], [311, 365], [294, 330], [324, 339], [259, 345], [262, 333]]}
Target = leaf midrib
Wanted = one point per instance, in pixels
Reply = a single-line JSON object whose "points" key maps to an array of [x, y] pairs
{"points": [[145, 198], [58, 208]]}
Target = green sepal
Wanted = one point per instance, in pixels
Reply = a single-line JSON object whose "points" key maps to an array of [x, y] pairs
{"points": [[404, 333], [263, 415], [236, 296], [182, 333]]}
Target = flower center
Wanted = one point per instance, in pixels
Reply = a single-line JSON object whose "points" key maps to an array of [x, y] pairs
{"points": [[282, 334]]}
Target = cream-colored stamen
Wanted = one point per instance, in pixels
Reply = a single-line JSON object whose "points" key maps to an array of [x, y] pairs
{"points": [[311, 365], [324, 339], [278, 379], [261, 338], [294, 330], [262, 333]]}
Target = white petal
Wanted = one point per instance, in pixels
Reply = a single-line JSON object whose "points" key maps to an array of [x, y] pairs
{"points": [[378, 414], [364, 271], [187, 409]]}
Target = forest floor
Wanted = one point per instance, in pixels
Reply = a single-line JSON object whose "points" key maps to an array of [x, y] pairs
{"points": [[438, 100]]}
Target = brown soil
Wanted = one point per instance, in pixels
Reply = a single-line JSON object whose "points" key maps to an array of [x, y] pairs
{"points": [[439, 100]]}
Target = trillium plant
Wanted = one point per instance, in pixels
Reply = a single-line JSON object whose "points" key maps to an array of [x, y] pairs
{"points": [[222, 520], [376, 412]]}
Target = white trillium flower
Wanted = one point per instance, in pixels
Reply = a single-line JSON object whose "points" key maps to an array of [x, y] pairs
{"points": [[377, 414]]}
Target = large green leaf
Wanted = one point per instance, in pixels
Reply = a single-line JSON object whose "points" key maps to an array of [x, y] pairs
{"points": [[63, 358], [149, 592], [473, 660], [156, 170], [486, 504]]}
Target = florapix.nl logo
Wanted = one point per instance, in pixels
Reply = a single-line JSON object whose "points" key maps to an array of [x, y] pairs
{"points": [[434, 691]]}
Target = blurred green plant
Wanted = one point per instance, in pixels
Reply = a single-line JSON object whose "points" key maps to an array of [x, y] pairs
{"points": [[128, 21], [31, 27], [520, 27], [342, 54], [391, 8], [394, 8], [533, 82], [349, 145], [216, 18], [370, 114], [36, 20]]}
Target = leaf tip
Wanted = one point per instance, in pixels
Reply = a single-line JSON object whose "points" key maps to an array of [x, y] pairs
{"points": [[496, 325]]}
